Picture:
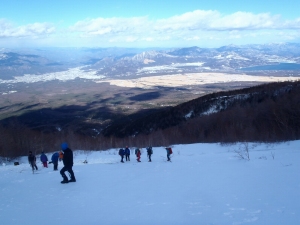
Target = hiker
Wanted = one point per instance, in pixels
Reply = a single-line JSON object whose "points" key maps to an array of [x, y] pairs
{"points": [[138, 154], [54, 160], [169, 152], [68, 164], [61, 155], [149, 153], [127, 153], [44, 159], [32, 161], [122, 153]]}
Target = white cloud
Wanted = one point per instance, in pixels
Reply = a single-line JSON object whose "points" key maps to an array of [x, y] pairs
{"points": [[198, 20], [103, 26], [30, 30], [191, 28]]}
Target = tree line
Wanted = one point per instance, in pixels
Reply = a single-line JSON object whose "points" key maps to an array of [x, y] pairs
{"points": [[265, 113]]}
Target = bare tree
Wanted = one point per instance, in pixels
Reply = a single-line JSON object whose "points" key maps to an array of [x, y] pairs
{"points": [[243, 151]]}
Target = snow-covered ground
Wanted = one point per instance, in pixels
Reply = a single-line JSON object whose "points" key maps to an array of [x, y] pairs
{"points": [[70, 74], [204, 184], [178, 80]]}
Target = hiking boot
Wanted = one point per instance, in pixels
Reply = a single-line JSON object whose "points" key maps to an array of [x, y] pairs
{"points": [[72, 180], [64, 182]]}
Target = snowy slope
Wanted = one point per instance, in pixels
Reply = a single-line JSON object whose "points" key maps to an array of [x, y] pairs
{"points": [[204, 184]]}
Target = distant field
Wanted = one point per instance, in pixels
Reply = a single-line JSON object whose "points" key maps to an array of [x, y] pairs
{"points": [[19, 98], [179, 80]]}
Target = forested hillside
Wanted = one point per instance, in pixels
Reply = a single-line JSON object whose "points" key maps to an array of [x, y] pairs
{"points": [[264, 113], [268, 112]]}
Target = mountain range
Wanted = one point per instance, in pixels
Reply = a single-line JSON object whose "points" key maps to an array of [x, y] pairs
{"points": [[123, 62]]}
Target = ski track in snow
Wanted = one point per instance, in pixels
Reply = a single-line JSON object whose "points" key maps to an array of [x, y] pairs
{"points": [[204, 184]]}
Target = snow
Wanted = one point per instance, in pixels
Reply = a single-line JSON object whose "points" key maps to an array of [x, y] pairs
{"points": [[189, 114], [10, 92], [169, 67], [204, 184], [70, 74]]}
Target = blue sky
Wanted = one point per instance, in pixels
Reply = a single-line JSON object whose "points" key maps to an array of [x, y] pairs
{"points": [[155, 23]]}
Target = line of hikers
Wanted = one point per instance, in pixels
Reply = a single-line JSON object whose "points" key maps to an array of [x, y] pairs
{"points": [[126, 152], [66, 155], [57, 156]]}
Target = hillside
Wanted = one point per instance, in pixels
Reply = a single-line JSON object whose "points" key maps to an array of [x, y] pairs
{"points": [[264, 113], [246, 114]]}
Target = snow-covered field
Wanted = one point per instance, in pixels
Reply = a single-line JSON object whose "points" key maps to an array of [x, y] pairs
{"points": [[204, 184], [178, 80]]}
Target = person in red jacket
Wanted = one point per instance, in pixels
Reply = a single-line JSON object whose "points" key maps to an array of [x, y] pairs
{"points": [[61, 155], [138, 155]]}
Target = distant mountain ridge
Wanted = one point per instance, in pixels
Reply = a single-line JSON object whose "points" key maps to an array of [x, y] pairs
{"points": [[122, 62]]}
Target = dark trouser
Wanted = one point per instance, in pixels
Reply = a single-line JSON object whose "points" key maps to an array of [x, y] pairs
{"points": [[45, 164], [122, 157], [69, 169], [55, 165], [127, 157], [168, 156], [33, 166], [149, 156]]}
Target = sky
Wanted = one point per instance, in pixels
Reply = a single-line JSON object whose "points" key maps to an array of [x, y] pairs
{"points": [[203, 184], [156, 23]]}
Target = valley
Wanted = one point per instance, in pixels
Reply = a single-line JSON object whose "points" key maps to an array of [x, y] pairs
{"points": [[92, 88]]}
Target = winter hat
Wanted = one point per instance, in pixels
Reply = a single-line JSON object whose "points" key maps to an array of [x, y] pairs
{"points": [[64, 146]]}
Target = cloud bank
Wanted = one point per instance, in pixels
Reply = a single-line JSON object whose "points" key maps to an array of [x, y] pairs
{"points": [[194, 27]]}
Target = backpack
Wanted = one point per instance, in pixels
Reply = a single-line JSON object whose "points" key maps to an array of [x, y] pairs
{"points": [[149, 150], [170, 151]]}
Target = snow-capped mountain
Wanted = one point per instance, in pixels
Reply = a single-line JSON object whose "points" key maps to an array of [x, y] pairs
{"points": [[114, 62]]}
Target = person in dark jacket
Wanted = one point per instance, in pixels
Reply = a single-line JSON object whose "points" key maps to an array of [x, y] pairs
{"points": [[32, 160], [127, 153], [54, 160], [44, 159], [149, 153], [169, 152], [122, 153], [68, 164]]}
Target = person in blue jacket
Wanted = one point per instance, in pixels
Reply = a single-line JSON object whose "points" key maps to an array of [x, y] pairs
{"points": [[68, 164], [54, 159], [44, 159], [122, 153], [127, 153]]}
